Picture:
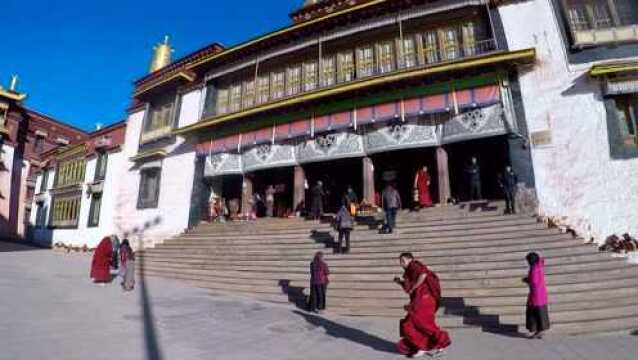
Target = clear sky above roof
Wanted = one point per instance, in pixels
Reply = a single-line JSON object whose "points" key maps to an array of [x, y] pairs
{"points": [[76, 59]]}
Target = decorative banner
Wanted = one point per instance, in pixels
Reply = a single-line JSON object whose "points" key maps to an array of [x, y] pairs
{"points": [[475, 123]]}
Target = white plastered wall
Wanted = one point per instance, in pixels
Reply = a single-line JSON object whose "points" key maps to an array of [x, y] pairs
{"points": [[172, 213], [83, 234], [576, 178]]}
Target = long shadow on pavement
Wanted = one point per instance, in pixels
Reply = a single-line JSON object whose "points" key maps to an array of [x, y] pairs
{"points": [[337, 330], [10, 246]]}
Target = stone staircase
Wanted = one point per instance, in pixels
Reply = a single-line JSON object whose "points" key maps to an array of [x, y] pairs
{"points": [[478, 254]]}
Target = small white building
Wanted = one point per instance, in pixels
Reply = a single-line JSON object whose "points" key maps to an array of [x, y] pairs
{"points": [[75, 201]]}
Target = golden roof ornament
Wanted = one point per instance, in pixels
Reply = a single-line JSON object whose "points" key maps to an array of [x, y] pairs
{"points": [[161, 55]]}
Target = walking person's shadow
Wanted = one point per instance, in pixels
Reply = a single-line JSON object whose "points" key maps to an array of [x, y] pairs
{"points": [[337, 330]]}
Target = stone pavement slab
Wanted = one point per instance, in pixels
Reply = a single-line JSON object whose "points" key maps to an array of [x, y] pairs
{"points": [[49, 309]]}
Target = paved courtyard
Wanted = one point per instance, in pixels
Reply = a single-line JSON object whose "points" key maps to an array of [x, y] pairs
{"points": [[50, 310]]}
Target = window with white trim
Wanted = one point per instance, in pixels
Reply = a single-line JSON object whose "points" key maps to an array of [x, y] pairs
{"points": [[263, 89], [345, 66], [277, 84], [248, 99], [365, 61], [159, 120], [385, 51], [235, 98], [293, 80], [328, 71], [223, 101], [148, 196], [310, 76]]}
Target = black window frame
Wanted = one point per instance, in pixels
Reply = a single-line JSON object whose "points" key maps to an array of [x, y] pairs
{"points": [[101, 162], [96, 202], [154, 202], [40, 215], [618, 148], [44, 186]]}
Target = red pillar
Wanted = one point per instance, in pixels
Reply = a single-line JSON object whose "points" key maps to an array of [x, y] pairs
{"points": [[368, 180], [246, 195], [299, 192], [444, 175]]}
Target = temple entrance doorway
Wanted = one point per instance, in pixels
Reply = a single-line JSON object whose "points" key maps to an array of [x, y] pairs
{"points": [[281, 180], [226, 189], [492, 155], [336, 176], [400, 167]]}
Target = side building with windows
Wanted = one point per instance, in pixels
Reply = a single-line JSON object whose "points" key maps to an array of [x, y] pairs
{"points": [[581, 107], [25, 135], [75, 201]]}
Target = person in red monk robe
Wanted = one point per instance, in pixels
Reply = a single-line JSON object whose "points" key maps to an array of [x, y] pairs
{"points": [[420, 334], [422, 188], [101, 264]]}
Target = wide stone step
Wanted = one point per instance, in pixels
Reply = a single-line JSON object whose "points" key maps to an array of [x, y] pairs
{"points": [[402, 217], [387, 245], [338, 289], [425, 248], [380, 281], [374, 239], [338, 261], [399, 232], [441, 224], [428, 257], [380, 273], [356, 242]]}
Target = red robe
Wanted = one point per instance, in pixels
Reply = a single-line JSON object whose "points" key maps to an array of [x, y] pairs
{"points": [[422, 179], [418, 329], [101, 264]]}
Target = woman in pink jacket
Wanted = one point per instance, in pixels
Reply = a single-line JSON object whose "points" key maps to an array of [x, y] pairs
{"points": [[537, 315]]}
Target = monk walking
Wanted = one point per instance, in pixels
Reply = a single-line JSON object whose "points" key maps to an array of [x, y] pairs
{"points": [[101, 264], [420, 335], [422, 187]]}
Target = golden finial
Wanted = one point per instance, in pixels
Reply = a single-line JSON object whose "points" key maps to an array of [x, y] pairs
{"points": [[161, 55], [14, 82]]}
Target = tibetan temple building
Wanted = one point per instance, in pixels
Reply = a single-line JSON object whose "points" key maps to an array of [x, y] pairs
{"points": [[358, 93]]}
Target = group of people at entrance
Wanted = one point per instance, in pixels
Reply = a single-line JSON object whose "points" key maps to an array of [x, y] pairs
{"points": [[419, 333], [110, 253]]}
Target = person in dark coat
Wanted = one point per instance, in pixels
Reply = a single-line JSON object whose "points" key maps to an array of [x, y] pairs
{"points": [[474, 178], [317, 194], [351, 201], [344, 224], [391, 204], [318, 283], [508, 181]]}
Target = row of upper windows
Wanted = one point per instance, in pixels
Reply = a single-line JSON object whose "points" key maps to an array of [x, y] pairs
{"points": [[433, 46], [71, 172], [589, 21], [593, 22]]}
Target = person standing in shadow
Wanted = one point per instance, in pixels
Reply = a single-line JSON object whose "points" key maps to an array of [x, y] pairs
{"points": [[317, 195], [391, 204], [508, 181], [318, 283], [344, 224], [474, 179]]}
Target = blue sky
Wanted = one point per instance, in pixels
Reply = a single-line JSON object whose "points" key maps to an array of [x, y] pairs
{"points": [[76, 59]]}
